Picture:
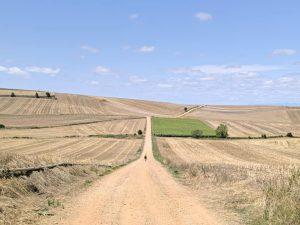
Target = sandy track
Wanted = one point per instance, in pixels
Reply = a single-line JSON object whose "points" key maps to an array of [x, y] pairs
{"points": [[137, 194]]}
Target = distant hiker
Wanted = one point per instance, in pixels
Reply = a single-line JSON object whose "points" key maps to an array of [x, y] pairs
{"points": [[145, 157]]}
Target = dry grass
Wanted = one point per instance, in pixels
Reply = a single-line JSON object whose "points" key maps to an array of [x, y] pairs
{"points": [[24, 199], [253, 192]]}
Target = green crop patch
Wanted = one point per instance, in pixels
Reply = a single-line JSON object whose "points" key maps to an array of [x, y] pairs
{"points": [[179, 127]]}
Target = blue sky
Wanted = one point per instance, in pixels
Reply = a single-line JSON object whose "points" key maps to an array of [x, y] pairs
{"points": [[212, 52]]}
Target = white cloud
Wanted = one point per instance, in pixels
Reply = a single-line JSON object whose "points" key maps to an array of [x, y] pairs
{"points": [[137, 79], [103, 70], [43, 70], [161, 85], [286, 79], [241, 70], [94, 82], [13, 70], [284, 52], [90, 49], [134, 16], [146, 49], [207, 78], [204, 16]]}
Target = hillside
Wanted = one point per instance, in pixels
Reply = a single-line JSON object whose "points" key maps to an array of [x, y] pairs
{"points": [[251, 120], [80, 104]]}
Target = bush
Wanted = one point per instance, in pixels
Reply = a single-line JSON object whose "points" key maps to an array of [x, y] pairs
{"points": [[222, 131], [197, 134], [140, 132], [264, 136], [2, 126], [48, 94], [289, 134], [185, 109], [12, 94], [37, 95]]}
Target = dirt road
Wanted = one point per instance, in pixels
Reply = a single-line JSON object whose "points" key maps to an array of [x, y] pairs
{"points": [[137, 194], [190, 110]]}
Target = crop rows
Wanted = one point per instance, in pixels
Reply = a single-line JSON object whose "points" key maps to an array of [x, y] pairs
{"points": [[104, 150], [237, 152], [129, 126]]}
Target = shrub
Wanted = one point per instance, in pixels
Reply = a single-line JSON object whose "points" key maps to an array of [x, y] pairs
{"points": [[197, 134], [37, 95], [264, 136], [289, 134], [185, 109], [48, 94], [140, 132], [12, 94], [2, 126], [222, 131]]}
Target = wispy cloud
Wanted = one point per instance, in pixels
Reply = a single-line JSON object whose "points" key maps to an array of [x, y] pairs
{"points": [[241, 70], [203, 16], [137, 80], [164, 85], [13, 70], [94, 82], [207, 78], [102, 70], [90, 49], [283, 52], [43, 70], [29, 70], [146, 49], [134, 16]]}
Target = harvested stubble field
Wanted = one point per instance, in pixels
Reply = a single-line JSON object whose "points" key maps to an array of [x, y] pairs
{"points": [[44, 121], [115, 126], [98, 150], [247, 181], [244, 121], [80, 104], [282, 151]]}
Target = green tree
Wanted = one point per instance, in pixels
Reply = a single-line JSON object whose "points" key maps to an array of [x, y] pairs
{"points": [[222, 131], [37, 95], [13, 94], [2, 126], [140, 132], [197, 133], [48, 94]]}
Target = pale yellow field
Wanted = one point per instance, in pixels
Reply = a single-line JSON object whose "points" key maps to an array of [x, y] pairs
{"points": [[283, 151], [129, 126], [34, 121], [244, 121], [79, 104], [100, 150]]}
